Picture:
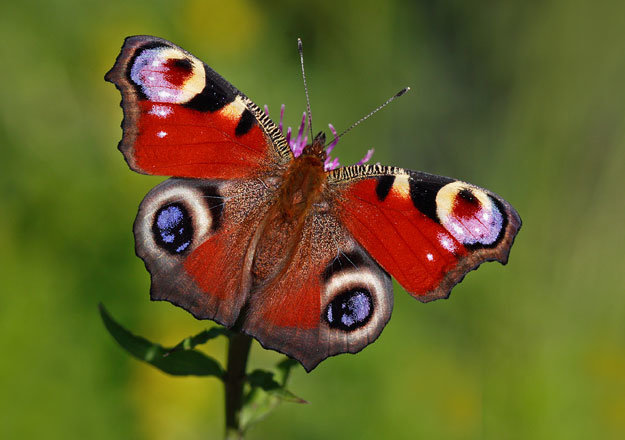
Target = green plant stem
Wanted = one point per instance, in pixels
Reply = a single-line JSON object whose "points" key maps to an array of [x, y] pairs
{"points": [[238, 351]]}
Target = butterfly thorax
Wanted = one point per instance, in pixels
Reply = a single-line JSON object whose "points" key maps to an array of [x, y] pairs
{"points": [[302, 184], [303, 180]]}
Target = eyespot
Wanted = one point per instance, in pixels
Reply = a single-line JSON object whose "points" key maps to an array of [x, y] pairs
{"points": [[357, 296], [176, 216], [173, 228], [350, 310], [469, 214], [167, 75]]}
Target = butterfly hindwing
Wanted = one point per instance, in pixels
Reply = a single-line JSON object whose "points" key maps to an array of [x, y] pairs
{"points": [[330, 298], [193, 236], [182, 119], [323, 295], [427, 231]]}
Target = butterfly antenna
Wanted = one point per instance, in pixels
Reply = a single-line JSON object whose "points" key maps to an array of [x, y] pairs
{"points": [[388, 101], [300, 49]]}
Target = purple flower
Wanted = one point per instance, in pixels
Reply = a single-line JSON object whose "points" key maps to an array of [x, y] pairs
{"points": [[298, 143]]}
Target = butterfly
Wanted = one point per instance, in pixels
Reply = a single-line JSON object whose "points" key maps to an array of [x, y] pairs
{"points": [[277, 245]]}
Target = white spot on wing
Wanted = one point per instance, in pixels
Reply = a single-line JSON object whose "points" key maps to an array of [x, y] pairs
{"points": [[161, 134], [401, 186], [162, 111], [430, 257], [446, 242]]}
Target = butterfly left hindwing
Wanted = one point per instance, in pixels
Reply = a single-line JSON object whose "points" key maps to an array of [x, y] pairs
{"points": [[330, 298], [193, 236]]}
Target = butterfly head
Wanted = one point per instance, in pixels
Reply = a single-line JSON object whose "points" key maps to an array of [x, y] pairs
{"points": [[298, 141], [317, 147]]}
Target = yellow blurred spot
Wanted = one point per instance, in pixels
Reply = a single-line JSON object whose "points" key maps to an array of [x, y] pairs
{"points": [[606, 370], [226, 26], [455, 403], [464, 409], [176, 407], [170, 407]]}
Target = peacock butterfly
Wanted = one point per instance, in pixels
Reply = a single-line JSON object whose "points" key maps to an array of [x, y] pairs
{"points": [[281, 243]]}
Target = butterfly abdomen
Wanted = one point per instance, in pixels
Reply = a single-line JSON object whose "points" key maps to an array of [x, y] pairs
{"points": [[281, 231], [274, 246]]}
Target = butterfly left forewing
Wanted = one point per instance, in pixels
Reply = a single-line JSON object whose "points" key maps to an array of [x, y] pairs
{"points": [[183, 119], [427, 231]]}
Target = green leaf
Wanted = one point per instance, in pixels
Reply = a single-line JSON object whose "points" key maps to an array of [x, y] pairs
{"points": [[177, 363], [258, 405], [265, 380], [201, 338], [284, 370], [266, 393]]}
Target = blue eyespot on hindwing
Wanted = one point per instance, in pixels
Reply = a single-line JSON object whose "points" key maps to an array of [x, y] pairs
{"points": [[173, 228], [350, 310]]}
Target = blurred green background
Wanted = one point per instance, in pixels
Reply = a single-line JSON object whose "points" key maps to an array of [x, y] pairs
{"points": [[525, 98]]}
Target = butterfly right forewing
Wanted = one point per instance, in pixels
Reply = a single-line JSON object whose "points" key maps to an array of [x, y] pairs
{"points": [[427, 231]]}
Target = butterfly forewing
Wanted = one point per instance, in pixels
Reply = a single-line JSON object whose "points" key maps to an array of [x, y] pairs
{"points": [[182, 119], [427, 231]]}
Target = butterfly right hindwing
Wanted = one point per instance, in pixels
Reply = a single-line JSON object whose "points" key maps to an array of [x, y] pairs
{"points": [[331, 298]]}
